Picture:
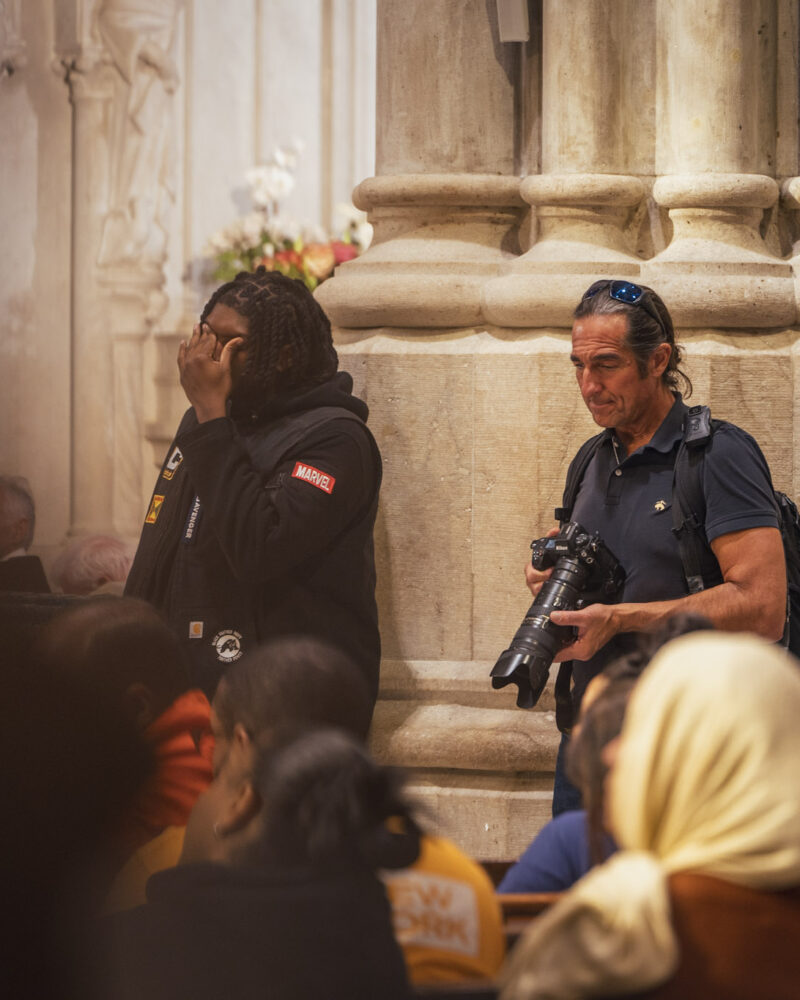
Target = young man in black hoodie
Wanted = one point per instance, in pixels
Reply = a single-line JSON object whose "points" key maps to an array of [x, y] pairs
{"points": [[261, 520]]}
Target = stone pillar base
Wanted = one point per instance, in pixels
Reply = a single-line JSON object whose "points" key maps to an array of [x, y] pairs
{"points": [[717, 270], [581, 238], [438, 238], [482, 768]]}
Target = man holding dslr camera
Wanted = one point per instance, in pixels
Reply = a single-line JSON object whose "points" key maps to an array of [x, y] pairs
{"points": [[626, 364]]}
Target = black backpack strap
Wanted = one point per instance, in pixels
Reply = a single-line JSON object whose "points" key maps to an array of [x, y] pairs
{"points": [[700, 566], [575, 474]]}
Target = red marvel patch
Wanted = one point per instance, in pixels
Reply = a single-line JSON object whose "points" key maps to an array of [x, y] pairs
{"points": [[311, 475]]}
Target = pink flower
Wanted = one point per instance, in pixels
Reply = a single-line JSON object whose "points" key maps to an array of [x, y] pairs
{"points": [[343, 251]]}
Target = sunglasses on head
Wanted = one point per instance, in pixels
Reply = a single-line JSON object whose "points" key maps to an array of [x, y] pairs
{"points": [[629, 293]]}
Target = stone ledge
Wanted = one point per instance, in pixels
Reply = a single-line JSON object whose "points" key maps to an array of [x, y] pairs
{"points": [[415, 735], [465, 683]]}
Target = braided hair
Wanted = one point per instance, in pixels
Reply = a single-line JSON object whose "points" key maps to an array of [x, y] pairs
{"points": [[281, 312]]}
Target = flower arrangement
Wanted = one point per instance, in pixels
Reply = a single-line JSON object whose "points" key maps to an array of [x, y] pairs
{"points": [[264, 236]]}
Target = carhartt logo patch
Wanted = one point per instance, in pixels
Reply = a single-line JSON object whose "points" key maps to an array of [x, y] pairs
{"points": [[195, 630], [175, 460], [311, 475], [155, 507]]}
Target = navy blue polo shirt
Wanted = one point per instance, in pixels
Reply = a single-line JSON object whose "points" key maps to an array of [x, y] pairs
{"points": [[630, 503]]}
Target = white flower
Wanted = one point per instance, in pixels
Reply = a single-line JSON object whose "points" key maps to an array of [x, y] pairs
{"points": [[362, 234], [269, 184], [220, 242], [312, 233], [348, 215], [286, 228], [296, 145], [252, 227]]}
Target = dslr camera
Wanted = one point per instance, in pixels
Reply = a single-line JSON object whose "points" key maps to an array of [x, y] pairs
{"points": [[585, 571]]}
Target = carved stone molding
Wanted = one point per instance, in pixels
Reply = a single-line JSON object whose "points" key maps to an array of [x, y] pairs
{"points": [[13, 50], [582, 220], [717, 270], [438, 238]]}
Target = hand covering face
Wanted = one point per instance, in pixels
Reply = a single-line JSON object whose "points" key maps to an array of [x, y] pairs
{"points": [[705, 781]]}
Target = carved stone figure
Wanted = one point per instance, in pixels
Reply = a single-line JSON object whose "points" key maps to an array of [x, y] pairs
{"points": [[139, 36]]}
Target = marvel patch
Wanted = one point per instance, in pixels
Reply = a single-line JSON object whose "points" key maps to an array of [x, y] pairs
{"points": [[311, 475], [175, 460], [155, 507], [228, 645]]}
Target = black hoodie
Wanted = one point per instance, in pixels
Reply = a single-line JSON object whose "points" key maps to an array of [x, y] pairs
{"points": [[260, 525]]}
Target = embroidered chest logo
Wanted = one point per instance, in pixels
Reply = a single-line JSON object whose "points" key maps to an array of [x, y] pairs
{"points": [[228, 645], [660, 505], [311, 475], [173, 462], [155, 508]]}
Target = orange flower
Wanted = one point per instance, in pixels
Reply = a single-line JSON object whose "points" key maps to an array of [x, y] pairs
{"points": [[319, 260]]}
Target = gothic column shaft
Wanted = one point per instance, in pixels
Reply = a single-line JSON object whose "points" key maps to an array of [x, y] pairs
{"points": [[584, 196], [445, 199], [715, 155]]}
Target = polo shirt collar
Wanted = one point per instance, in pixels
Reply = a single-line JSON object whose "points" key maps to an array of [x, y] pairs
{"points": [[669, 432]]}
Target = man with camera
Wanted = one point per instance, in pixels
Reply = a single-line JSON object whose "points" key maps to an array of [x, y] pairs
{"points": [[626, 364]]}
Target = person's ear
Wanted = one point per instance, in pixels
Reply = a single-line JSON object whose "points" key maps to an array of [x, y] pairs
{"points": [[139, 705], [659, 359], [243, 807]]}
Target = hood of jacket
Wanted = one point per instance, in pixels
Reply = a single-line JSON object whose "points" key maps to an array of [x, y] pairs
{"points": [[336, 391]]}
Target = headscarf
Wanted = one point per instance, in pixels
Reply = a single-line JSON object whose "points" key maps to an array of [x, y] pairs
{"points": [[706, 780]]}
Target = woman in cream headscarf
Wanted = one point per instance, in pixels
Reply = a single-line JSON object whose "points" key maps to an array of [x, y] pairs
{"points": [[704, 898]]}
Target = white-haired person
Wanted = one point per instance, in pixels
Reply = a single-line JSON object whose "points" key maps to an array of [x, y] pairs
{"points": [[703, 898], [91, 565], [19, 572]]}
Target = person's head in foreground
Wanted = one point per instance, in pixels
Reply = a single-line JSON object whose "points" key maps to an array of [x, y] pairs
{"points": [[704, 801], [290, 681], [281, 337], [303, 798], [123, 647]]}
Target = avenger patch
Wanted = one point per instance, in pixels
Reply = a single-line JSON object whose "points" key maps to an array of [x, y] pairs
{"points": [[311, 475], [155, 507]]}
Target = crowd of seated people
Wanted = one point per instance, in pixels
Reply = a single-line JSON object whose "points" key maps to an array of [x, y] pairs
{"points": [[162, 846]]}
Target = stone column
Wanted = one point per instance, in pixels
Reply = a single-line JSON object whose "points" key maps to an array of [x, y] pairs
{"points": [[121, 78], [715, 155], [445, 200], [595, 117]]}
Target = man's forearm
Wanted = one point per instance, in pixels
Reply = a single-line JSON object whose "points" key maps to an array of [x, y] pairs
{"points": [[728, 607]]}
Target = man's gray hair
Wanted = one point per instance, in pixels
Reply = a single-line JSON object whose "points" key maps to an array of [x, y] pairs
{"points": [[91, 562], [16, 502]]}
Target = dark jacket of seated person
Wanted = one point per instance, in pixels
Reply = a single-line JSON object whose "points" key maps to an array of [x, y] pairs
{"points": [[276, 894], [703, 897]]}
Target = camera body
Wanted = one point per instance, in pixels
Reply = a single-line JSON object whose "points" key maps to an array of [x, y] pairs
{"points": [[585, 571]]}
